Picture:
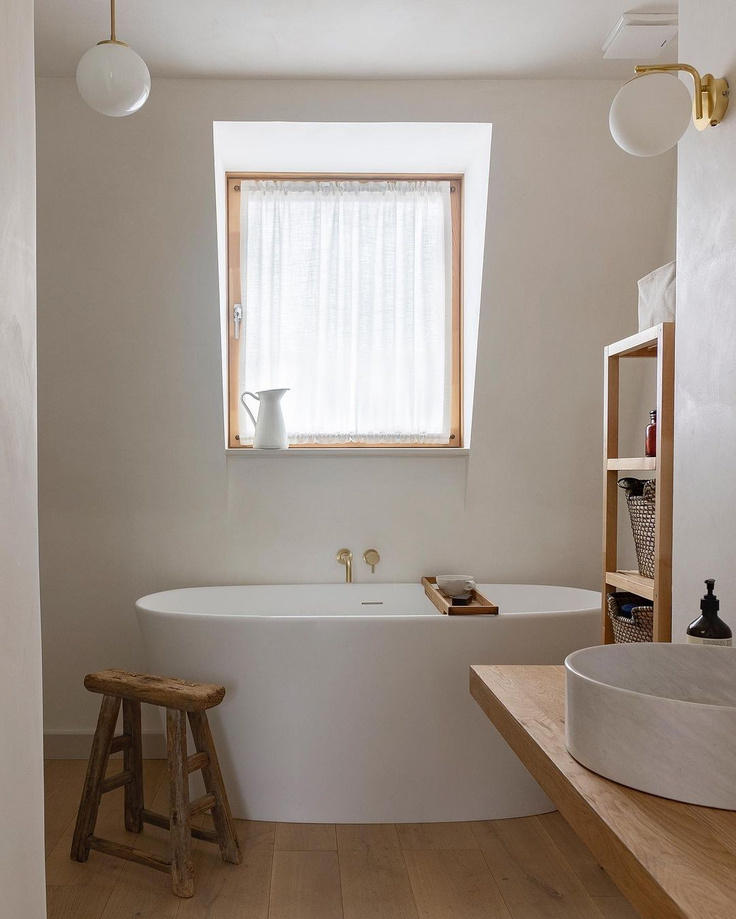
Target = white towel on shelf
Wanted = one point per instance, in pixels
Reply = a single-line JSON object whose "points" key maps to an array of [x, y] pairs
{"points": [[657, 297]]}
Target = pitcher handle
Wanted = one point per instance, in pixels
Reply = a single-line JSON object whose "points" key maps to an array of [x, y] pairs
{"points": [[245, 404]]}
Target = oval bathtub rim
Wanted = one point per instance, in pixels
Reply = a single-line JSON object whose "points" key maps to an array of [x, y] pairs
{"points": [[143, 606]]}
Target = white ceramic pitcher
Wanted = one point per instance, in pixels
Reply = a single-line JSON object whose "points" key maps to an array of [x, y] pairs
{"points": [[270, 428]]}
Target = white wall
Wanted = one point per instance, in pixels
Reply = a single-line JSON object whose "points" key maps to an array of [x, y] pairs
{"points": [[136, 493], [638, 398], [21, 769], [705, 411]]}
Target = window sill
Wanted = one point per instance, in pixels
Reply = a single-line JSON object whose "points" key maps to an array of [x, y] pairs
{"points": [[355, 452]]}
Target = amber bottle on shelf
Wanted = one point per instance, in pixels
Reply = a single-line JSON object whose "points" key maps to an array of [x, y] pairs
{"points": [[650, 441]]}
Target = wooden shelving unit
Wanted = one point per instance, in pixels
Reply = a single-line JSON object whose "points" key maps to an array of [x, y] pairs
{"points": [[657, 343]]}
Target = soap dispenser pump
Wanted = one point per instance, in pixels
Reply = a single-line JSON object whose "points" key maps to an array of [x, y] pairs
{"points": [[709, 628]]}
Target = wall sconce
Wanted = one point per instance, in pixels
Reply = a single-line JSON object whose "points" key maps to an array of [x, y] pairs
{"points": [[111, 77], [652, 111]]}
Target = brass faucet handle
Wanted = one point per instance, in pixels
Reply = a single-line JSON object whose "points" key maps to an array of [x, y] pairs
{"points": [[372, 558]]}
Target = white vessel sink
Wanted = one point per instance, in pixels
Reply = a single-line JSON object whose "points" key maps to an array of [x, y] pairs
{"points": [[657, 717]]}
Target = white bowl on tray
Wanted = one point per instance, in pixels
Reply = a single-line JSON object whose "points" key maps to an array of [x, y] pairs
{"points": [[455, 585]]}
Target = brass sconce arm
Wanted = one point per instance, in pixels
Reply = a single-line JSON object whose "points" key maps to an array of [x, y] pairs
{"points": [[710, 99]]}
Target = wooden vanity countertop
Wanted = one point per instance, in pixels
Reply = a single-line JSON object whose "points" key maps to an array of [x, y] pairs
{"points": [[672, 860]]}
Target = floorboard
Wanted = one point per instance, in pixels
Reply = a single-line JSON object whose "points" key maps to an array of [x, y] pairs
{"points": [[616, 908], [594, 878], [534, 879], [305, 885], [224, 891], [63, 780], [373, 876], [454, 883], [303, 837], [428, 836]]}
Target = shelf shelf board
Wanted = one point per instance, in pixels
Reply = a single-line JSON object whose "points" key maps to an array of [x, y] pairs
{"points": [[643, 344], [632, 581], [632, 463]]}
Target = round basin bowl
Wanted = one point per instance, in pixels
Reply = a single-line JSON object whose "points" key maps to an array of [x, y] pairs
{"points": [[657, 717]]}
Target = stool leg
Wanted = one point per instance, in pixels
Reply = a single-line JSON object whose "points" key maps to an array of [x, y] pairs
{"points": [[182, 865], [133, 763], [221, 815], [91, 794]]}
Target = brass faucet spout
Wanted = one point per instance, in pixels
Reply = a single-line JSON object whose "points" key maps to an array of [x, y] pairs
{"points": [[345, 557]]}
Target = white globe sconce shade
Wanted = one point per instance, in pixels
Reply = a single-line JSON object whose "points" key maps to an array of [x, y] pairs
{"points": [[113, 80], [650, 114]]}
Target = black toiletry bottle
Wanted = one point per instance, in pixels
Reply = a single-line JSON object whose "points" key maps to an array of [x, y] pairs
{"points": [[709, 628]]}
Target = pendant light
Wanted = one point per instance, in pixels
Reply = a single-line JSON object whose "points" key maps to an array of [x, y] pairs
{"points": [[111, 78]]}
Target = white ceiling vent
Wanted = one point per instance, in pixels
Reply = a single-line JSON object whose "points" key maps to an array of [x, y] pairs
{"points": [[640, 36]]}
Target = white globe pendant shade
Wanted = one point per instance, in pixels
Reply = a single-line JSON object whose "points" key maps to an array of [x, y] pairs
{"points": [[650, 114], [113, 80]]}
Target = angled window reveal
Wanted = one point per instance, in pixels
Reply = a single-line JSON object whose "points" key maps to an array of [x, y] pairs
{"points": [[351, 268]]}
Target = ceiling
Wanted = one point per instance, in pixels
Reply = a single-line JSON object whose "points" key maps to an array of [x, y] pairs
{"points": [[374, 39]]}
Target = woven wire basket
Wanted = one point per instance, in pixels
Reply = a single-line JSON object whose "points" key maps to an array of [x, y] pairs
{"points": [[638, 627], [641, 496]]}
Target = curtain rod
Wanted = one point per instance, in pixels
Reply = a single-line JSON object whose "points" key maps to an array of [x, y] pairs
{"points": [[365, 181]]}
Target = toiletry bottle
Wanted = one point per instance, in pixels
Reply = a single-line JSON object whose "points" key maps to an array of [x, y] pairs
{"points": [[709, 628], [651, 435]]}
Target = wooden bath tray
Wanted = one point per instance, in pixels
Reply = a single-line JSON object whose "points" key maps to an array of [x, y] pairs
{"points": [[479, 605]]}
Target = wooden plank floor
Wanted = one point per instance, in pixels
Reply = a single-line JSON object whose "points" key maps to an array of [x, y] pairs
{"points": [[530, 868]]}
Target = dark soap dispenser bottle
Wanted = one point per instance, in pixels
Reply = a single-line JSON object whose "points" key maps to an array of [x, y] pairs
{"points": [[709, 628]]}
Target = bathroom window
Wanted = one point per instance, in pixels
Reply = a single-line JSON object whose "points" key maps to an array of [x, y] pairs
{"points": [[346, 290]]}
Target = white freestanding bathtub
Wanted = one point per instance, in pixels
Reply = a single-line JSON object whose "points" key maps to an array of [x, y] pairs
{"points": [[349, 703]]}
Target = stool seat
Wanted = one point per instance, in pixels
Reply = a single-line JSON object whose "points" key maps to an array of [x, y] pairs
{"points": [[167, 691], [184, 702]]}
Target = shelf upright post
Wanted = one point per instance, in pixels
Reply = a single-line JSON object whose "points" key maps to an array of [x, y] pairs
{"points": [[610, 478], [665, 457]]}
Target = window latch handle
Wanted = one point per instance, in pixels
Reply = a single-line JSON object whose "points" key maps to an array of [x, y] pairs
{"points": [[237, 319]]}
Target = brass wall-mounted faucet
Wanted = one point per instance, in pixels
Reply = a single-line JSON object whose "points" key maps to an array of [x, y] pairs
{"points": [[371, 558], [345, 557]]}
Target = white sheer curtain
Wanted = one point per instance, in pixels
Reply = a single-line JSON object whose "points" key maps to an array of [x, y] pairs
{"points": [[346, 290]]}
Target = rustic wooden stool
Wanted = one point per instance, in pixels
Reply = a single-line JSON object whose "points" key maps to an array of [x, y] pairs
{"points": [[180, 699]]}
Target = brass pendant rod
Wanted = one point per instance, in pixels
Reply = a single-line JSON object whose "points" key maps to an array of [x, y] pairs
{"points": [[657, 68], [113, 39]]}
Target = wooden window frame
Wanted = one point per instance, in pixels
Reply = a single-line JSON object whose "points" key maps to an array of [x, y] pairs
{"points": [[234, 296]]}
